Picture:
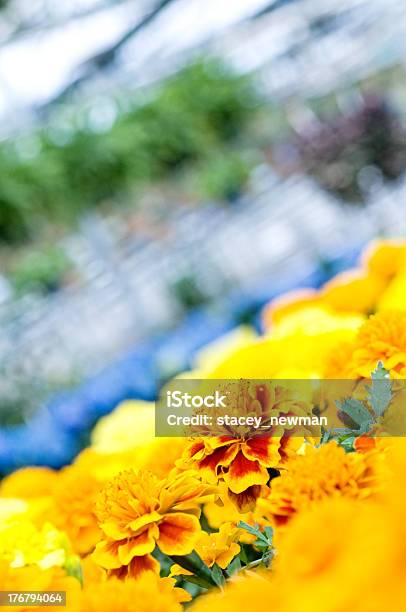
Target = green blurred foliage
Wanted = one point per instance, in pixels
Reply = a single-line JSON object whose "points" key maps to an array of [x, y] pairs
{"points": [[39, 271], [58, 172], [187, 292], [222, 176]]}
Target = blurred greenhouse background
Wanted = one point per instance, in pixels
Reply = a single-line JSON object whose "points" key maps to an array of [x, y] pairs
{"points": [[166, 168]]}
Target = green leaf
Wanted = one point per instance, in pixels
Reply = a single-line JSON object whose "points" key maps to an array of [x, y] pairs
{"points": [[356, 410], [234, 566], [261, 545], [380, 392], [347, 443], [380, 372], [73, 568], [269, 533], [193, 563], [326, 436], [198, 581], [217, 575], [253, 530]]}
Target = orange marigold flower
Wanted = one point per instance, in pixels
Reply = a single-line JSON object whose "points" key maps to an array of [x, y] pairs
{"points": [[147, 594], [137, 511], [220, 548], [338, 361], [326, 471], [382, 338], [73, 508], [243, 455]]}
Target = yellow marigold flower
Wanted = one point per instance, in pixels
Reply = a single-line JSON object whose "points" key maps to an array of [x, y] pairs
{"points": [[23, 543], [29, 483], [394, 296], [338, 364], [327, 550], [255, 591], [326, 546], [104, 466], [381, 338], [137, 511], [330, 545], [127, 427], [288, 303], [137, 566], [326, 471], [10, 508], [224, 511], [353, 290], [214, 353], [220, 548], [297, 355], [91, 572], [73, 508], [33, 578], [126, 439], [314, 321], [385, 258], [147, 594]]}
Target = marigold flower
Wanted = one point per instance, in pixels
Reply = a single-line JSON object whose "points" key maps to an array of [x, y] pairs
{"points": [[220, 548], [331, 544], [382, 338], [23, 543], [288, 303], [126, 439], [338, 364], [394, 296], [214, 353], [10, 508], [299, 354], [224, 511], [33, 578], [73, 508], [385, 258], [353, 290], [127, 427], [147, 594], [326, 545], [29, 483], [326, 471], [314, 321], [137, 511], [242, 456]]}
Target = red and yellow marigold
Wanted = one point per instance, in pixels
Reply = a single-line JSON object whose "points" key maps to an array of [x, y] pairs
{"points": [[242, 456]]}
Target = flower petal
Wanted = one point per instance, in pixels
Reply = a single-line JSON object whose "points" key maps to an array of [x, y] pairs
{"points": [[178, 533], [244, 473], [106, 554], [138, 546], [264, 449]]}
